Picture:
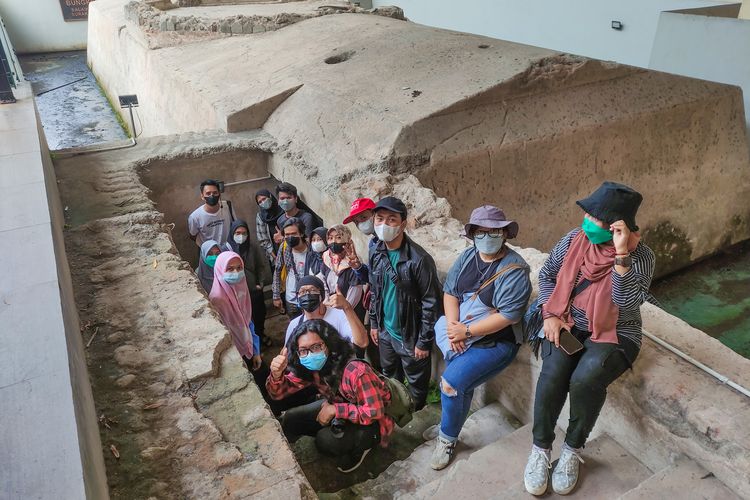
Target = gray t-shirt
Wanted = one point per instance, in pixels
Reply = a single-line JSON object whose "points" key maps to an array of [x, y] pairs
{"points": [[291, 279], [208, 226]]}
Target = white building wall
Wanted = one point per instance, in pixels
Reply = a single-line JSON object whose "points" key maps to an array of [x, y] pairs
{"points": [[576, 26], [710, 48], [38, 26]]}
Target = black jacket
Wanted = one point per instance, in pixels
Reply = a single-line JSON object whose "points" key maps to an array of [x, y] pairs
{"points": [[419, 292]]}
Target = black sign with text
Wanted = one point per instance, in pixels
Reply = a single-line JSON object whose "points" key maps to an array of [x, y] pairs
{"points": [[75, 10]]}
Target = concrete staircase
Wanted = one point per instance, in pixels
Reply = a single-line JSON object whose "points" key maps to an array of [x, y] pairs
{"points": [[491, 457]]}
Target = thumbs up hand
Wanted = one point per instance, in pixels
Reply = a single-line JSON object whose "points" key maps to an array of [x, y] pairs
{"points": [[338, 300], [278, 364]]}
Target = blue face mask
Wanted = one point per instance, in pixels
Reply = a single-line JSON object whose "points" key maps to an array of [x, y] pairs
{"points": [[489, 246], [233, 278], [314, 361]]}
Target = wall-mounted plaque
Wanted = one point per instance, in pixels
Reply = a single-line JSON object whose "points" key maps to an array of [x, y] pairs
{"points": [[75, 10]]}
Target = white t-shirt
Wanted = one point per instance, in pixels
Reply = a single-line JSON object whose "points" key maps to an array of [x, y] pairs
{"points": [[210, 226], [291, 279], [334, 317]]}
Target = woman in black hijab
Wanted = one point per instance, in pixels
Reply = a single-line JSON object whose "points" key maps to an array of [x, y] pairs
{"points": [[265, 222]]}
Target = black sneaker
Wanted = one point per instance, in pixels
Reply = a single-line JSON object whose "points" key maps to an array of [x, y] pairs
{"points": [[349, 463]]}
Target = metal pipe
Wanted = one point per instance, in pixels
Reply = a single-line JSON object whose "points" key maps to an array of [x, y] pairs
{"points": [[722, 378], [248, 181]]}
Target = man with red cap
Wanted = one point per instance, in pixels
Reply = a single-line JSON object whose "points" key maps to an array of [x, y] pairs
{"points": [[361, 213]]}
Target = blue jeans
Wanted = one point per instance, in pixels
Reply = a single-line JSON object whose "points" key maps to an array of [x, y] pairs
{"points": [[465, 373]]}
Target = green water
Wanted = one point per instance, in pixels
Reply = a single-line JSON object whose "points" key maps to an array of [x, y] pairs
{"points": [[713, 296]]}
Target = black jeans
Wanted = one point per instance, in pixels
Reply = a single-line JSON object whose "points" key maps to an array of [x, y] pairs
{"points": [[301, 421], [259, 312], [299, 398], [398, 362], [585, 375]]}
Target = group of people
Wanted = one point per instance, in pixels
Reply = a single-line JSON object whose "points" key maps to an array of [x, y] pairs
{"points": [[356, 326]]}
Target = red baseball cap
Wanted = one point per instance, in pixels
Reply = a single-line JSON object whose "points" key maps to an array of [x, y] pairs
{"points": [[358, 206]]}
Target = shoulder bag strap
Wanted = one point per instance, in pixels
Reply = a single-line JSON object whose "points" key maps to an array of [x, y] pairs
{"points": [[492, 278]]}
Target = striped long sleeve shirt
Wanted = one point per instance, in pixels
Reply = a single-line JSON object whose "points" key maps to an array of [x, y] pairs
{"points": [[629, 291]]}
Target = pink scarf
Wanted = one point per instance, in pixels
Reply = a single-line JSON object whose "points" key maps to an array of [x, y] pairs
{"points": [[233, 304], [596, 263]]}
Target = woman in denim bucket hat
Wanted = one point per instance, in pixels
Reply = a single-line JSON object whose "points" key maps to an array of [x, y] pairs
{"points": [[486, 292], [592, 285]]}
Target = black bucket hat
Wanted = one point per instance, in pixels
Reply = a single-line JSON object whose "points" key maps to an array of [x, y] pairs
{"points": [[612, 202]]}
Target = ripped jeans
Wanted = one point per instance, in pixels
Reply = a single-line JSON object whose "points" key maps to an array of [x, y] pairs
{"points": [[465, 373], [585, 375]]}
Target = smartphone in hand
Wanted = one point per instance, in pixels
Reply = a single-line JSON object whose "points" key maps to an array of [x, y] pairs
{"points": [[568, 343]]}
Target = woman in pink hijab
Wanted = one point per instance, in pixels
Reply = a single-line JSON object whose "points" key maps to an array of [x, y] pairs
{"points": [[231, 298]]}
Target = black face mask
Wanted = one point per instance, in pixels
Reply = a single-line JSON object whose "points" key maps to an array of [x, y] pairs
{"points": [[336, 247], [211, 201], [310, 302], [293, 241]]}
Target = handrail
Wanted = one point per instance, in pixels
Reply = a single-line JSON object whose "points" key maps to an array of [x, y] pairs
{"points": [[722, 378]]}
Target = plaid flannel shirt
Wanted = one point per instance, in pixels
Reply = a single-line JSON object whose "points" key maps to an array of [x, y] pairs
{"points": [[362, 396]]}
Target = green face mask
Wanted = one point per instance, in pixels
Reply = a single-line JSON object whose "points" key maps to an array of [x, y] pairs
{"points": [[594, 233], [210, 260]]}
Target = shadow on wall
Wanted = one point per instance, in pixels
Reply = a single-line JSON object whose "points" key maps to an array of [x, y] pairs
{"points": [[174, 187]]}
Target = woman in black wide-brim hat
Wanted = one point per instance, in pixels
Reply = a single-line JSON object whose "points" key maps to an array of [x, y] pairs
{"points": [[591, 286]]}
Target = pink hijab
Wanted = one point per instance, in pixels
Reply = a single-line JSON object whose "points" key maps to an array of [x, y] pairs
{"points": [[233, 304]]}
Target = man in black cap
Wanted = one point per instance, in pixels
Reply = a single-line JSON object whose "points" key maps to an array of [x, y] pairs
{"points": [[336, 311], [406, 300]]}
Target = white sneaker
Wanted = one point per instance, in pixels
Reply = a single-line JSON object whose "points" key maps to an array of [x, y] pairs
{"points": [[442, 454], [565, 475], [536, 475]]}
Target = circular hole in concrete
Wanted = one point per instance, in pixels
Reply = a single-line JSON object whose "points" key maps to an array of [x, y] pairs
{"points": [[484, 46], [339, 58]]}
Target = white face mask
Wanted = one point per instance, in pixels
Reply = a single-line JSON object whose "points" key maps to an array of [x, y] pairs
{"points": [[240, 238], [387, 233], [318, 246], [367, 227]]}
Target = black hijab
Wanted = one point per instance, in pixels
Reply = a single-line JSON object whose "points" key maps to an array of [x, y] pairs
{"points": [[271, 215], [245, 247]]}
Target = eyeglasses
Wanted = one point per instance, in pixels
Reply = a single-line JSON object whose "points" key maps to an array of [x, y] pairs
{"points": [[304, 351], [304, 293], [493, 233]]}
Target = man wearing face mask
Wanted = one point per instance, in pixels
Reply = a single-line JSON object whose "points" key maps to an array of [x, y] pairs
{"points": [[361, 213], [336, 311], [406, 300], [294, 260], [290, 203], [211, 220]]}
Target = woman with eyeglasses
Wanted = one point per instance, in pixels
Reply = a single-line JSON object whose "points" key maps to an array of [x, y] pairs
{"points": [[349, 419], [485, 295]]}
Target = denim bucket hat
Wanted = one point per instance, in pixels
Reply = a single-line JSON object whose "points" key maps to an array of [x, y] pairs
{"points": [[612, 202], [492, 218]]}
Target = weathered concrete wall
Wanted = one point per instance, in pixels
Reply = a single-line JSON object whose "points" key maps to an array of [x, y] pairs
{"points": [[174, 186], [526, 128], [535, 146], [50, 427]]}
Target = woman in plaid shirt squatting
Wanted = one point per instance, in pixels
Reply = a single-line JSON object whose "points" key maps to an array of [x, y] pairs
{"points": [[350, 417]]}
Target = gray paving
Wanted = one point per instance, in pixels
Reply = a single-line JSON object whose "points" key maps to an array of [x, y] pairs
{"points": [[49, 440], [72, 115]]}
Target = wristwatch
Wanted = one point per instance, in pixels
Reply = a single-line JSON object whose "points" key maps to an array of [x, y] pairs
{"points": [[624, 261], [468, 332]]}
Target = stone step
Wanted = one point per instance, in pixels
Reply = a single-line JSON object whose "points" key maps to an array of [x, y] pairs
{"points": [[485, 426], [497, 471], [684, 479]]}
